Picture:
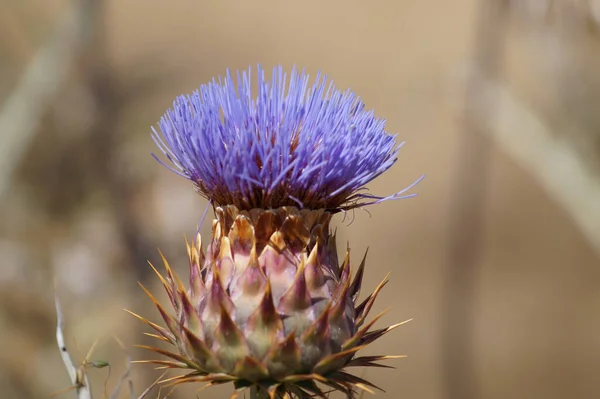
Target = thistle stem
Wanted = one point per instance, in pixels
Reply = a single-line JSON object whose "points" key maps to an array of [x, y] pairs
{"points": [[257, 393]]}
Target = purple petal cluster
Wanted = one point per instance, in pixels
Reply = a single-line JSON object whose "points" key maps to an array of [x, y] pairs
{"points": [[292, 143]]}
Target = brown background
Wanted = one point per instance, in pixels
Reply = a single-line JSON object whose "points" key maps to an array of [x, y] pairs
{"points": [[88, 204]]}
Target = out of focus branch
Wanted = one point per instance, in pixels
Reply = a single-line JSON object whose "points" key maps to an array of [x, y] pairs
{"points": [[126, 376], [23, 110], [79, 35], [540, 10], [152, 386], [77, 375], [108, 97], [551, 160], [467, 205]]}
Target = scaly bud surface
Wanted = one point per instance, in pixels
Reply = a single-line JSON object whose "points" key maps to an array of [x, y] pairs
{"points": [[267, 304]]}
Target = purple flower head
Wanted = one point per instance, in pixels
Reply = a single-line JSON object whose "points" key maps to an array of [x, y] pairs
{"points": [[293, 144]]}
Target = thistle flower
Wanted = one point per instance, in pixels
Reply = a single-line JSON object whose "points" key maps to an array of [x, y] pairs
{"points": [[268, 306], [312, 147]]}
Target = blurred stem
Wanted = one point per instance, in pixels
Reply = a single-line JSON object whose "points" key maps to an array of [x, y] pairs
{"points": [[549, 158], [256, 393], [105, 138], [467, 212], [25, 107]]}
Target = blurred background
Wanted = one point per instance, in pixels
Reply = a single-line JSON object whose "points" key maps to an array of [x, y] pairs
{"points": [[497, 259]]}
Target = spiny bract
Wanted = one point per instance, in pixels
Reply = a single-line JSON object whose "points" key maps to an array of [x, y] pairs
{"points": [[269, 305]]}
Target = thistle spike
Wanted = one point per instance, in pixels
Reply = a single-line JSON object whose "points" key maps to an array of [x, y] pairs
{"points": [[217, 231], [216, 299], [251, 369], [162, 331], [252, 280], [278, 263], [249, 288], [357, 281], [283, 356], [358, 382], [277, 241], [312, 389], [319, 236], [345, 268], [319, 328], [295, 232], [264, 325], [313, 344], [225, 263], [188, 248], [356, 338], [296, 298], [227, 272], [341, 298], [176, 356], [232, 344], [176, 283], [165, 363], [225, 248], [241, 237], [373, 335], [362, 311], [200, 351], [315, 278], [171, 325], [264, 227], [333, 361], [192, 319], [156, 336], [369, 361], [197, 287], [331, 257], [167, 286]]}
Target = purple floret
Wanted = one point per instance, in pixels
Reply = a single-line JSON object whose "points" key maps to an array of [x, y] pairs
{"points": [[292, 144]]}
